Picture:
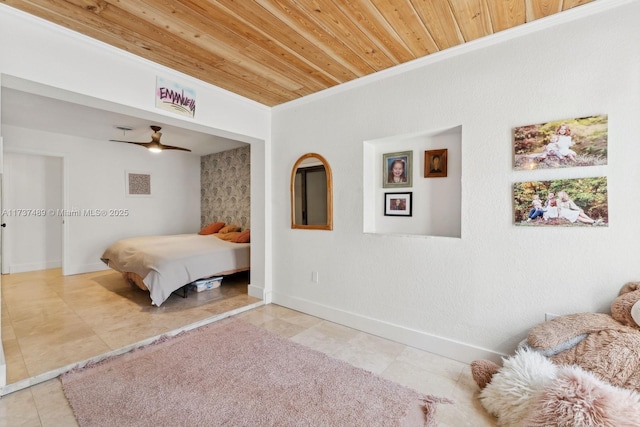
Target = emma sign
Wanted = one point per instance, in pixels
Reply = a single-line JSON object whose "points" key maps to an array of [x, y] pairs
{"points": [[173, 97]]}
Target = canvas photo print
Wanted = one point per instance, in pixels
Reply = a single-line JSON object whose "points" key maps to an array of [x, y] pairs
{"points": [[561, 144], [581, 202]]}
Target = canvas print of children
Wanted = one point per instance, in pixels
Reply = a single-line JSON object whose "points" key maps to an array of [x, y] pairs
{"points": [[569, 203], [561, 144]]}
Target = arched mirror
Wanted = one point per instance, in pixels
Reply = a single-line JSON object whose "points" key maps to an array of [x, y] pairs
{"points": [[311, 193]]}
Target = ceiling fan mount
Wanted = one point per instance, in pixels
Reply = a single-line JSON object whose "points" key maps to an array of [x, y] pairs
{"points": [[154, 145]]}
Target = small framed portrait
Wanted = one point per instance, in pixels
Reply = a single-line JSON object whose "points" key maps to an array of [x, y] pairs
{"points": [[397, 204], [396, 169], [435, 163]]}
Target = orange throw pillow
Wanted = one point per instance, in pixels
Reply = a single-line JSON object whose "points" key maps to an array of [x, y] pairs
{"points": [[228, 236], [229, 229], [244, 237], [214, 227]]}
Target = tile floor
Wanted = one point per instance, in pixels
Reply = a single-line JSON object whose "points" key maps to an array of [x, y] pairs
{"points": [[50, 321], [44, 404]]}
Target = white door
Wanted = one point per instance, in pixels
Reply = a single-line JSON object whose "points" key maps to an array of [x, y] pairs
{"points": [[32, 238]]}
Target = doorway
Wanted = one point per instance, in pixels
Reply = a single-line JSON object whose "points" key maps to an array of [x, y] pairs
{"points": [[32, 208]]}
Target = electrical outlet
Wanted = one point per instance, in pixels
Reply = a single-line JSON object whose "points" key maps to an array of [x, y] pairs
{"points": [[314, 276], [549, 316]]}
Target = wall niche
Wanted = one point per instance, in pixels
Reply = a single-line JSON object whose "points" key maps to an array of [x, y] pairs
{"points": [[435, 202]]}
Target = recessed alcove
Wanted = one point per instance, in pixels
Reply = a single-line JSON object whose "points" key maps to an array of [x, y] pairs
{"points": [[436, 202]]}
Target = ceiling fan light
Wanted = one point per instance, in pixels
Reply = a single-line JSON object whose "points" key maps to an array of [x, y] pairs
{"points": [[155, 149]]}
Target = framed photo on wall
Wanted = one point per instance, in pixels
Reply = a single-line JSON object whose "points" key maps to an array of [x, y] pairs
{"points": [[397, 204], [138, 184], [435, 163], [397, 169]]}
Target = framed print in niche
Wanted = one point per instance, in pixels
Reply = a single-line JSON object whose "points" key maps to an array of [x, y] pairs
{"points": [[561, 144], [397, 169], [397, 204], [138, 184], [435, 163]]}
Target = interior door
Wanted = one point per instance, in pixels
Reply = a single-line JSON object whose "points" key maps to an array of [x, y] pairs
{"points": [[32, 189]]}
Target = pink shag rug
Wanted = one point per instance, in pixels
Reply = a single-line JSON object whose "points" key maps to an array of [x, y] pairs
{"points": [[231, 373]]}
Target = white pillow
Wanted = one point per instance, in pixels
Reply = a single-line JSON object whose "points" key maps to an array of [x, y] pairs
{"points": [[513, 390], [578, 398], [635, 312]]}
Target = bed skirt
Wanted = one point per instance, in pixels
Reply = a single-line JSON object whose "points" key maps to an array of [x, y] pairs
{"points": [[135, 279]]}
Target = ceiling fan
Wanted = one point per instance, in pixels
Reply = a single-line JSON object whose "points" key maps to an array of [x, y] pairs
{"points": [[154, 145]]}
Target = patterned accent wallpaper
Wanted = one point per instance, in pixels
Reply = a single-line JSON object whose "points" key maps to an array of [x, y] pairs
{"points": [[225, 194]]}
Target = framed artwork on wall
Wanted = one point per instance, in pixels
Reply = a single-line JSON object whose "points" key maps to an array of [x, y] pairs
{"points": [[397, 169], [397, 204], [561, 144], [138, 184], [564, 202], [435, 163]]}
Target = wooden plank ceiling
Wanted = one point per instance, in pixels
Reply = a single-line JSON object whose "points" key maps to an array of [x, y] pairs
{"points": [[274, 51]]}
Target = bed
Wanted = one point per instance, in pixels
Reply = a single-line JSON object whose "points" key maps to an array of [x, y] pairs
{"points": [[164, 264]]}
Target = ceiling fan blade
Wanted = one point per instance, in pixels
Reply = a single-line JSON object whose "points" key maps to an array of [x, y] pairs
{"points": [[155, 141], [144, 144], [171, 147]]}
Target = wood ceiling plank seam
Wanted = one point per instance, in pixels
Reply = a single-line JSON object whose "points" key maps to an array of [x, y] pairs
{"points": [[41, 11], [404, 19], [289, 12], [182, 22], [506, 14], [255, 32], [113, 33], [473, 18], [570, 4], [79, 20], [536, 9], [335, 22], [376, 28], [489, 21], [440, 21], [433, 46], [291, 40]]}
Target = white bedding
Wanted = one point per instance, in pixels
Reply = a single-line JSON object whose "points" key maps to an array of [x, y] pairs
{"points": [[166, 263]]}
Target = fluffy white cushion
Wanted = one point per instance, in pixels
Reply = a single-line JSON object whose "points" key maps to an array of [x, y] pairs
{"points": [[531, 391], [635, 312], [511, 393], [578, 398]]}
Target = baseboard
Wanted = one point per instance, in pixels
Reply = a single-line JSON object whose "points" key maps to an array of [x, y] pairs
{"points": [[86, 268], [3, 368], [451, 349], [33, 266], [257, 292]]}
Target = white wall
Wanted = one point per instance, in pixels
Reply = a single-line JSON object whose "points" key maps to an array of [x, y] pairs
{"points": [[95, 180], [476, 296], [33, 50]]}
